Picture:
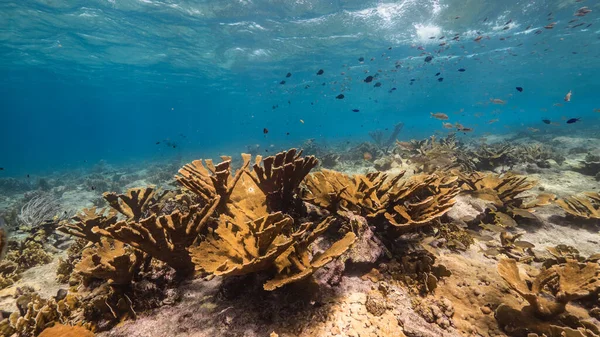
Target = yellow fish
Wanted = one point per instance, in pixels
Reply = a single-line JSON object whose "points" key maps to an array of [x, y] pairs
{"points": [[439, 115]]}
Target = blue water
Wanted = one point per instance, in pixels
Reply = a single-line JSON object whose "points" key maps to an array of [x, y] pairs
{"points": [[83, 81]]}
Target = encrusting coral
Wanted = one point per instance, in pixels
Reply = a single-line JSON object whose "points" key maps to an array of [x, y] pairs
{"points": [[59, 330], [584, 206]]}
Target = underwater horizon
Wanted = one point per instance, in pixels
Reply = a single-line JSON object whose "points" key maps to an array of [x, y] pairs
{"points": [[105, 80], [300, 168]]}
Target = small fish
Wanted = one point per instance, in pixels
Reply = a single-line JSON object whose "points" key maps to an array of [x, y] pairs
{"points": [[93, 188], [428, 58], [440, 79], [568, 96], [493, 228], [439, 115], [320, 72], [524, 244], [368, 79], [519, 89], [377, 85], [1, 168], [508, 22], [596, 110], [557, 104], [497, 101], [573, 120], [265, 131], [462, 70], [533, 129], [361, 59], [355, 110], [288, 75], [546, 121], [437, 74], [367, 156], [477, 39], [550, 25], [340, 96], [282, 82], [491, 121], [302, 121], [447, 125]]}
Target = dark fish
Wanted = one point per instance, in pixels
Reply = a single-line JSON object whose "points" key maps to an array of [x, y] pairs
{"points": [[438, 74], [428, 58], [288, 75], [441, 79], [282, 82], [519, 89], [320, 72], [1, 168], [361, 59], [355, 110], [340, 96], [368, 79], [377, 85], [265, 131], [507, 22], [462, 70], [573, 120], [28, 176], [93, 188]]}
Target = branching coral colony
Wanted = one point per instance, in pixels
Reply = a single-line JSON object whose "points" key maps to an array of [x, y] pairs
{"points": [[272, 217]]}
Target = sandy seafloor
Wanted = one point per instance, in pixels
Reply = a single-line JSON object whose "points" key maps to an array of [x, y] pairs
{"points": [[461, 305]]}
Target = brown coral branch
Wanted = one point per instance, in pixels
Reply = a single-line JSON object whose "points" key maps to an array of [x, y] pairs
{"points": [[167, 237], [280, 176], [82, 224], [133, 204], [110, 261]]}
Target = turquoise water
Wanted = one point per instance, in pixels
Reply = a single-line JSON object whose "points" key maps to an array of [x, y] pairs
{"points": [[84, 81]]}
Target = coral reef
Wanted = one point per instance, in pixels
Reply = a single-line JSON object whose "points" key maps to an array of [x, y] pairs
{"points": [[585, 206], [491, 156], [553, 288], [437, 154], [591, 166], [406, 205]]}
